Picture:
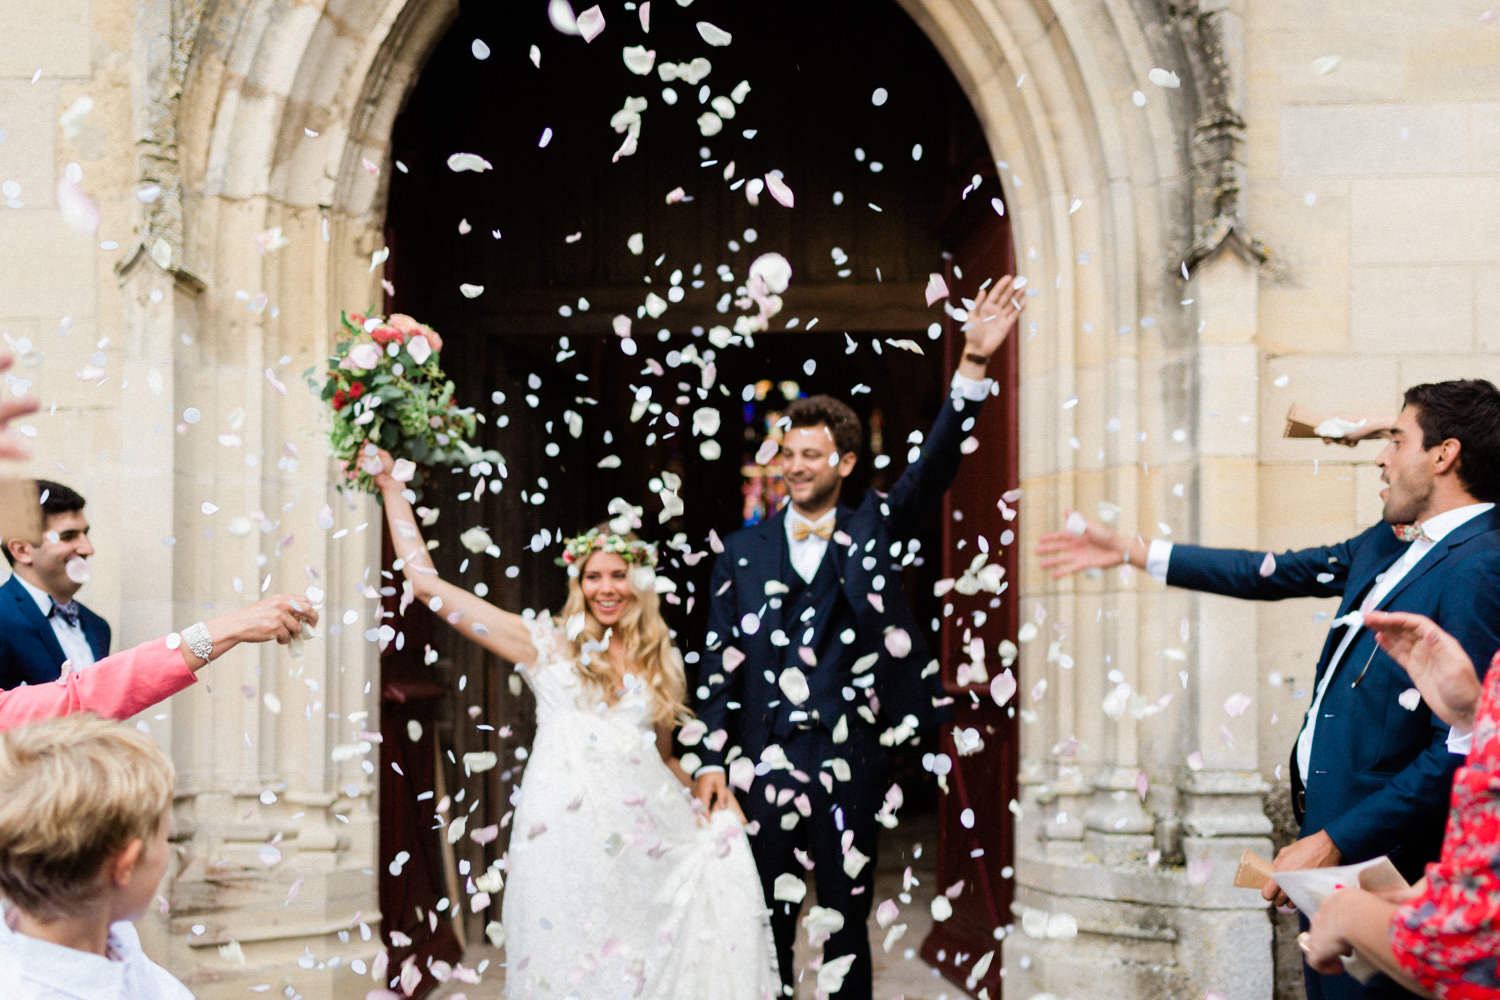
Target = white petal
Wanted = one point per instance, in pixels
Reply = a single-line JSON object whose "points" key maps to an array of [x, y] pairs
{"points": [[639, 59], [591, 23], [460, 162], [780, 191], [713, 35]]}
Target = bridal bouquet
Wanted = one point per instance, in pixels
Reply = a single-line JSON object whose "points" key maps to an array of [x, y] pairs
{"points": [[385, 387]]}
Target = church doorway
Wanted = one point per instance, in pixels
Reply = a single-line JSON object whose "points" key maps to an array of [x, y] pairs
{"points": [[524, 265]]}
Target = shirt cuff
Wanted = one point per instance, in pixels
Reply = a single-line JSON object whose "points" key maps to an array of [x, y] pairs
{"points": [[973, 389], [708, 769], [1460, 743], [1158, 556]]}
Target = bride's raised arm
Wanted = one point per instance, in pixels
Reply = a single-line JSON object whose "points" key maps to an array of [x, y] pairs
{"points": [[503, 633]]}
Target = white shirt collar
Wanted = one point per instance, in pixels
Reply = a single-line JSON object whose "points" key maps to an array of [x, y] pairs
{"points": [[42, 598], [1438, 526]]}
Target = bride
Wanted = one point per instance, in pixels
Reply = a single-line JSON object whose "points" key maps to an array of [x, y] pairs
{"points": [[616, 886]]}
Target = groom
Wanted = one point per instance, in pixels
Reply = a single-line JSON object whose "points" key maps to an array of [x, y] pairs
{"points": [[1370, 776], [814, 663]]}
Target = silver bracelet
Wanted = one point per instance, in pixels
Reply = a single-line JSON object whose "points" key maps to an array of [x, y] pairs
{"points": [[198, 641]]}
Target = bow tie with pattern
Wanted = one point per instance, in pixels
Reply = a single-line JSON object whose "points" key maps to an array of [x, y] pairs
{"points": [[1410, 533], [823, 528], [67, 612]]}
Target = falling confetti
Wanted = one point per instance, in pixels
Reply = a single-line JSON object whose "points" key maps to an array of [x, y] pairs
{"points": [[590, 23], [714, 35], [460, 162], [937, 288]]}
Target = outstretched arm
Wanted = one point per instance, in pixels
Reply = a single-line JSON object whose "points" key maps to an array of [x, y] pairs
{"points": [[994, 315], [1096, 547], [503, 633], [1439, 667], [121, 685]]}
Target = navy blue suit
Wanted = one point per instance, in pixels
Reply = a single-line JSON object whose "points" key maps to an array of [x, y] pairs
{"points": [[1379, 775], [29, 650], [866, 689]]}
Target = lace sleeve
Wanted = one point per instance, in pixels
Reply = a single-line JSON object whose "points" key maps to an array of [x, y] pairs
{"points": [[548, 641]]}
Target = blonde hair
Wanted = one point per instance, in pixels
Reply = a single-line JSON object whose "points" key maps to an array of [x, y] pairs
{"points": [[648, 645], [74, 792]]}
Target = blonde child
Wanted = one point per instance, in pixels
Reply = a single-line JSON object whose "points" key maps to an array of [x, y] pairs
{"points": [[85, 810]]}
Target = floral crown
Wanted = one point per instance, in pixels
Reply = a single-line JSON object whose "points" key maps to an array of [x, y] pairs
{"points": [[580, 547]]}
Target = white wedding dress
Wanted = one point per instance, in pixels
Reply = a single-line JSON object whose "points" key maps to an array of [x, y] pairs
{"points": [[616, 887]]}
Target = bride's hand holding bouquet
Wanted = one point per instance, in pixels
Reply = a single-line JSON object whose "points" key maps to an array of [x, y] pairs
{"points": [[385, 387]]}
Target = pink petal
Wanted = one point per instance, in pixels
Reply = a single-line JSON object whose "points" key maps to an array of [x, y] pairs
{"points": [[591, 23], [780, 191], [937, 288], [1003, 687], [1236, 704]]}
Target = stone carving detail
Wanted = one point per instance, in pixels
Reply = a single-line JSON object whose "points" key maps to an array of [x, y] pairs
{"points": [[168, 40]]}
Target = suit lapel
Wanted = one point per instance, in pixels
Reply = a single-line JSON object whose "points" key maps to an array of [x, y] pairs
{"points": [[32, 616], [1472, 528]]}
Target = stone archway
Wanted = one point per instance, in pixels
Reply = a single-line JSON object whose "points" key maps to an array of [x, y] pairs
{"points": [[271, 114]]}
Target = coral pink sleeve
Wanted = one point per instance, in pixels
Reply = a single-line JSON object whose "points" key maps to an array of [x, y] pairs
{"points": [[116, 687]]}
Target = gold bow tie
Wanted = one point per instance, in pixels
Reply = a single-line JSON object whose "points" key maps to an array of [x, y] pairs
{"points": [[802, 529]]}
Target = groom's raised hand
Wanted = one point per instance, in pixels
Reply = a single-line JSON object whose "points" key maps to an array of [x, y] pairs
{"points": [[995, 313]]}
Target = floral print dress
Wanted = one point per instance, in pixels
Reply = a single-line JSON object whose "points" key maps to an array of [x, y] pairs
{"points": [[1448, 938]]}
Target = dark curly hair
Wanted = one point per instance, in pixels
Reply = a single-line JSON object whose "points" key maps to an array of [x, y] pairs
{"points": [[841, 421]]}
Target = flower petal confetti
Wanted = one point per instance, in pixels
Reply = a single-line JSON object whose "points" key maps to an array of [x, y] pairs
{"points": [[1410, 699], [1164, 78], [639, 59], [460, 162], [1003, 687], [937, 289], [789, 888], [780, 191], [591, 23], [713, 34]]}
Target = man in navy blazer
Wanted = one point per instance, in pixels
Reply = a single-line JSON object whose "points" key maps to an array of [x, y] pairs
{"points": [[41, 625], [1370, 777], [814, 664]]}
